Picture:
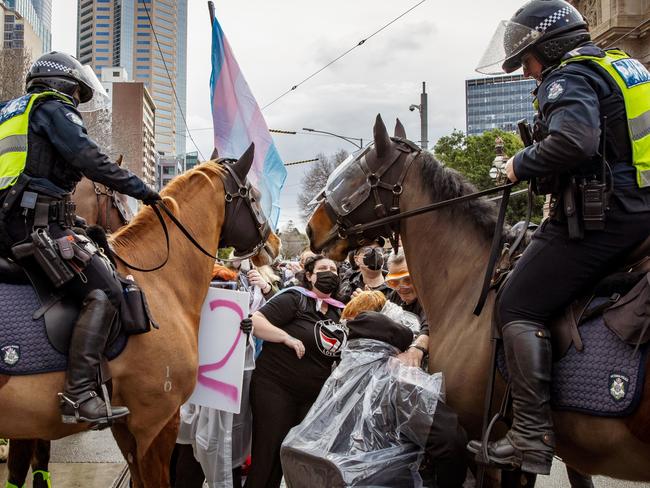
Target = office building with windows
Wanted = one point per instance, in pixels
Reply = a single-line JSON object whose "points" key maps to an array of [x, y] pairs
{"points": [[38, 15], [498, 102], [148, 38]]}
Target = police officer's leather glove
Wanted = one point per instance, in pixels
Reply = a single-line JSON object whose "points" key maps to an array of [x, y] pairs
{"points": [[151, 197]]}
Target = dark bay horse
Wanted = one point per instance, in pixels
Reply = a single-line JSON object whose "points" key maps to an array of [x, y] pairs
{"points": [[157, 371], [97, 205], [447, 252]]}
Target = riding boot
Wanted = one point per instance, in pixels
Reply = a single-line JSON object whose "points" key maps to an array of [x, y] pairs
{"points": [[79, 401], [530, 443]]}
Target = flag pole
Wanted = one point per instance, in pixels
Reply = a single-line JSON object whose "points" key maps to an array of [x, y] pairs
{"points": [[211, 10]]}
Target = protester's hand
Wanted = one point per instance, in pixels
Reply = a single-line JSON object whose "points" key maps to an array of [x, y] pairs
{"points": [[356, 292], [510, 170], [411, 357], [255, 279], [246, 325], [296, 345]]}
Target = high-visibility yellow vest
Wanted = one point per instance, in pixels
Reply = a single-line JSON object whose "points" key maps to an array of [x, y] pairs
{"points": [[634, 81], [14, 125]]}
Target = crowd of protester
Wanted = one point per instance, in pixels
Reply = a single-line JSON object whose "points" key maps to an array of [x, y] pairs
{"points": [[297, 335]]}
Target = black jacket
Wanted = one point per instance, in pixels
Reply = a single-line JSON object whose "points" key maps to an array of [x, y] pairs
{"points": [[572, 102]]}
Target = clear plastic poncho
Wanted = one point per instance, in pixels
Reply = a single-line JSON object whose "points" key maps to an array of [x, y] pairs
{"points": [[368, 426]]}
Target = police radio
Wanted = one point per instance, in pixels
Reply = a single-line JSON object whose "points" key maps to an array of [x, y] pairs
{"points": [[595, 196]]}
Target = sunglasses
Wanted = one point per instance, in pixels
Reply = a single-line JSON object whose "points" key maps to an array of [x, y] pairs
{"points": [[404, 280]]}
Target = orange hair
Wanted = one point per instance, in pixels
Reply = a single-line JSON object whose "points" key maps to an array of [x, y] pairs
{"points": [[366, 301], [222, 273]]}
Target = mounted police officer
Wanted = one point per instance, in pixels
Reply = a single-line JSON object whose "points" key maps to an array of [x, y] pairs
{"points": [[44, 152], [592, 154]]}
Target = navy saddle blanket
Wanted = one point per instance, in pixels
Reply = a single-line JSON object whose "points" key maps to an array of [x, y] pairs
{"points": [[604, 379], [25, 347]]}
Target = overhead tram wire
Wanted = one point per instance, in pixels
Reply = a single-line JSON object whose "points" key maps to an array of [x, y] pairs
{"points": [[360, 43], [172, 82]]}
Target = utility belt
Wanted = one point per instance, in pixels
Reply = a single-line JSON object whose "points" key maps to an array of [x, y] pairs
{"points": [[580, 201], [47, 210]]}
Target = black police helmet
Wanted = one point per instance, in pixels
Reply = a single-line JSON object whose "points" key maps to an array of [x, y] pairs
{"points": [[560, 26], [60, 72]]}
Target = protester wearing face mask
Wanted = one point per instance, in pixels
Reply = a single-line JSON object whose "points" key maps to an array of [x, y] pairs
{"points": [[403, 294], [370, 275], [302, 339]]}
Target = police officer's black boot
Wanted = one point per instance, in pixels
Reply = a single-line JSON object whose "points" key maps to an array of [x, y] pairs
{"points": [[79, 401], [530, 442]]}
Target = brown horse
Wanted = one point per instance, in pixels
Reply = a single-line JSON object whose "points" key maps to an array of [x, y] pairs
{"points": [[97, 205], [447, 252], [156, 372]]}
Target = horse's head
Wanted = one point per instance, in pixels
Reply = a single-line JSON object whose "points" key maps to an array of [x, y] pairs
{"points": [[365, 187], [247, 228]]}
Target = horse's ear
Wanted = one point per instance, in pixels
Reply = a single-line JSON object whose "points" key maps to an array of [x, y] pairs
{"points": [[215, 154], [382, 139], [244, 163], [119, 159], [400, 131]]}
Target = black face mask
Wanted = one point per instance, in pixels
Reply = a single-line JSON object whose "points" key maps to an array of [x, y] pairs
{"points": [[327, 281], [374, 259]]}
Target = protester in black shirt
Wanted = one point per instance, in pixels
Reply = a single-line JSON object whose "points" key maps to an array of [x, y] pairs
{"points": [[403, 294], [302, 340]]}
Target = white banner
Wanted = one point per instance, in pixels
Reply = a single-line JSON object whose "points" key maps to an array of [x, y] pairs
{"points": [[222, 348]]}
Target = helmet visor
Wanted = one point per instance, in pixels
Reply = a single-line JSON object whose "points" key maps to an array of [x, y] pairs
{"points": [[100, 99], [503, 54]]}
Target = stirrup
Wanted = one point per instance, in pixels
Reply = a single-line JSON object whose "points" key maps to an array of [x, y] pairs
{"points": [[97, 424]]}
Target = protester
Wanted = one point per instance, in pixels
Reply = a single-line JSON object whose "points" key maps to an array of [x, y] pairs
{"points": [[370, 276], [302, 341], [212, 444], [376, 418], [403, 294]]}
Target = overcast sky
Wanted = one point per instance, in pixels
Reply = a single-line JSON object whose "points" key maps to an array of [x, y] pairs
{"points": [[279, 43]]}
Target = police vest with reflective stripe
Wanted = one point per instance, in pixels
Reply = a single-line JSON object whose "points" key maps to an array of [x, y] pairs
{"points": [[634, 81], [14, 125]]}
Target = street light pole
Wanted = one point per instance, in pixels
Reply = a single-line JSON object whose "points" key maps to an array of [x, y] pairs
{"points": [[424, 120], [358, 145]]}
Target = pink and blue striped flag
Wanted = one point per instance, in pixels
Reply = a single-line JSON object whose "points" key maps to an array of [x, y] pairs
{"points": [[238, 121]]}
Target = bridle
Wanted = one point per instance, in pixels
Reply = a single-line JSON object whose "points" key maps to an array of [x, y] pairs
{"points": [[111, 200], [241, 193], [344, 228]]}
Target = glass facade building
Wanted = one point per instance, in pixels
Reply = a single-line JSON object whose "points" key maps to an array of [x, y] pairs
{"points": [[149, 39], [38, 13], [498, 103]]}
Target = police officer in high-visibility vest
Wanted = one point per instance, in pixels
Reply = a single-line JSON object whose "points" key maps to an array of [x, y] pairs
{"points": [[44, 152], [592, 154]]}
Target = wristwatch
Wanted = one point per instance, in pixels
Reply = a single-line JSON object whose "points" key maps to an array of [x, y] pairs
{"points": [[419, 348]]}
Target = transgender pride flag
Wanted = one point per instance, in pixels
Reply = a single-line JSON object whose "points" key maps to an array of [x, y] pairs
{"points": [[238, 121]]}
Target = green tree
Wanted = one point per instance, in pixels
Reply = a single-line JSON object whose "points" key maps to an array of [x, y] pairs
{"points": [[473, 157]]}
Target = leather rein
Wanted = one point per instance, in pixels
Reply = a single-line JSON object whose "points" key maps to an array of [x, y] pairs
{"points": [[242, 194]]}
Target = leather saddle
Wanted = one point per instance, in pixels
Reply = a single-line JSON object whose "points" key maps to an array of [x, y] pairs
{"points": [[58, 311], [565, 327]]}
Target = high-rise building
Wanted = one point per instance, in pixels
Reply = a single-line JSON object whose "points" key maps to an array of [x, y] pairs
{"points": [[148, 39], [133, 127], [168, 169], [38, 14], [498, 102]]}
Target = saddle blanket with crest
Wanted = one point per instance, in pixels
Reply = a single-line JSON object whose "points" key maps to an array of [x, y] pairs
{"points": [[605, 379], [24, 344]]}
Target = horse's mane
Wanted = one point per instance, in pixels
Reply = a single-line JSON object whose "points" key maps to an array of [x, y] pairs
{"points": [[446, 183], [179, 187]]}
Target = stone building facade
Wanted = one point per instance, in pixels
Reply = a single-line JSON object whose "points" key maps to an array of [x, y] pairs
{"points": [[609, 20]]}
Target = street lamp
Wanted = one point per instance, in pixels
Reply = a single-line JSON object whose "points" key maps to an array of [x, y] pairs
{"points": [[351, 140], [424, 124]]}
